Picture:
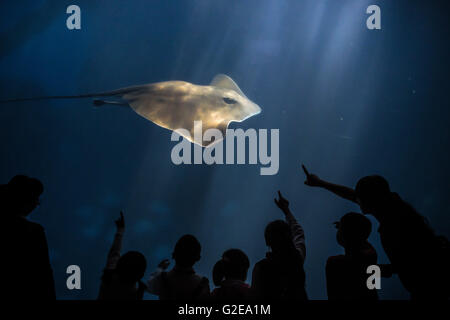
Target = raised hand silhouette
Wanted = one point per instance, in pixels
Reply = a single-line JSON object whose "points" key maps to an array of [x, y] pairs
{"points": [[312, 180], [164, 264], [120, 223], [282, 202]]}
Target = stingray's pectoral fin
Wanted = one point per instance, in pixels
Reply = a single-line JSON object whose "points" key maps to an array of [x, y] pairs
{"points": [[99, 103]]}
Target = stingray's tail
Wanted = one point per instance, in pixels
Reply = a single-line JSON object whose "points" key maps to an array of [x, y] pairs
{"points": [[47, 98], [114, 93]]}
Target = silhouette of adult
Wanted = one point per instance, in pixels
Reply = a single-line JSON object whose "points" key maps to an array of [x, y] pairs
{"points": [[347, 274], [229, 274], [182, 282], [27, 269], [280, 275], [416, 254], [121, 279]]}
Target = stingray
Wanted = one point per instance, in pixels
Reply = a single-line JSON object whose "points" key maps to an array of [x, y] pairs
{"points": [[177, 104]]}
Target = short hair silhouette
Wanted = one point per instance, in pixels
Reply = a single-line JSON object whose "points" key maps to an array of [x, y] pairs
{"points": [[277, 234], [371, 190], [234, 264], [25, 186], [354, 228], [131, 266], [187, 251], [22, 194]]}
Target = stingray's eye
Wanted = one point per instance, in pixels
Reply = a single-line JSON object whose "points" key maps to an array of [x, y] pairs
{"points": [[229, 100]]}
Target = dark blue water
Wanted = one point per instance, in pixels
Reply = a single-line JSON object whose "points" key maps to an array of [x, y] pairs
{"points": [[348, 102]]}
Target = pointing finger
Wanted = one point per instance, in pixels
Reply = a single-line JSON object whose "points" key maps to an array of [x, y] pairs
{"points": [[304, 169]]}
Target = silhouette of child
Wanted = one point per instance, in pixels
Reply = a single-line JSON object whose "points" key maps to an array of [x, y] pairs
{"points": [[229, 274], [417, 255], [346, 274], [280, 275], [25, 260], [122, 274], [182, 282]]}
